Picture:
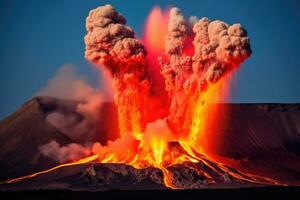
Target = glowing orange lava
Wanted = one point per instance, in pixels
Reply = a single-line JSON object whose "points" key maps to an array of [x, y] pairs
{"points": [[155, 145]]}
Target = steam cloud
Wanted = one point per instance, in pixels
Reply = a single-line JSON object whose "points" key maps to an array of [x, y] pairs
{"points": [[62, 154], [67, 85]]}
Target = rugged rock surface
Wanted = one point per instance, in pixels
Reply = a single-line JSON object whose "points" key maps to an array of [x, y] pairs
{"points": [[101, 177]]}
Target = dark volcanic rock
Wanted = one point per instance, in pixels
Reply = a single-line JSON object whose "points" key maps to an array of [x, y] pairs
{"points": [[120, 176], [93, 177], [100, 177]]}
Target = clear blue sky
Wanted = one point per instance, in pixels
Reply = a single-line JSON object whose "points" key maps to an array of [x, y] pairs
{"points": [[37, 37]]}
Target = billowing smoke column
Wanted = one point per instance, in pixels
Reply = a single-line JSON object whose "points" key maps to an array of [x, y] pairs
{"points": [[111, 43], [198, 53], [218, 49]]}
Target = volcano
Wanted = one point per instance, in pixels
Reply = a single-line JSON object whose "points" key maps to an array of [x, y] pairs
{"points": [[165, 128], [270, 148]]}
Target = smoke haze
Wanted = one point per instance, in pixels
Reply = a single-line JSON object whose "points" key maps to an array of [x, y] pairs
{"points": [[66, 84]]}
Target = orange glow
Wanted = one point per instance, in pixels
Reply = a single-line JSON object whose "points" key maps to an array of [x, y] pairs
{"points": [[156, 29], [143, 145], [206, 109]]}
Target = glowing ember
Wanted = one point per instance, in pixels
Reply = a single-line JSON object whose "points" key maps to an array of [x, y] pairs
{"points": [[164, 95]]}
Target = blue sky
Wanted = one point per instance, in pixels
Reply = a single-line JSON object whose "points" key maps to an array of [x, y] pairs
{"points": [[38, 37]]}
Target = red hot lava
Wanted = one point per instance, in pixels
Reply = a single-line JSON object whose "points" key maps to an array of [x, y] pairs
{"points": [[164, 86], [193, 58]]}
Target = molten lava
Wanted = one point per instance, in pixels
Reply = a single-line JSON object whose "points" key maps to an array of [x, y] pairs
{"points": [[166, 97]]}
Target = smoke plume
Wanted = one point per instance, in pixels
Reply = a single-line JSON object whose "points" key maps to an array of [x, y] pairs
{"points": [[218, 49], [111, 43], [197, 55], [66, 84], [62, 154]]}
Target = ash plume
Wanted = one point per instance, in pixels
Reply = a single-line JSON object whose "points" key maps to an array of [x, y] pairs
{"points": [[111, 43], [218, 49], [198, 54], [177, 32]]}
